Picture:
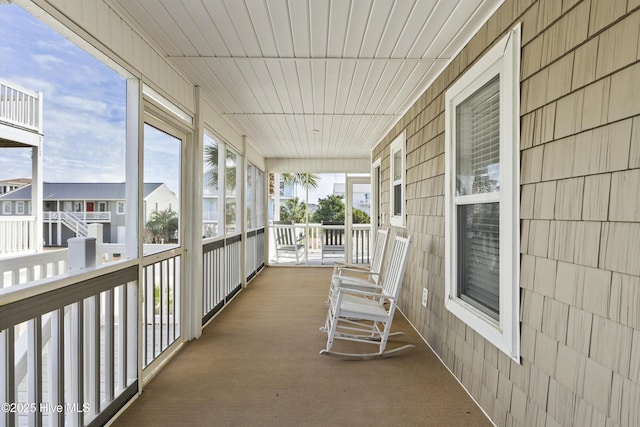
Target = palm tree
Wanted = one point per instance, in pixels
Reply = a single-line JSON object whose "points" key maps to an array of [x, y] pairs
{"points": [[163, 225], [211, 153], [306, 180], [293, 210]]}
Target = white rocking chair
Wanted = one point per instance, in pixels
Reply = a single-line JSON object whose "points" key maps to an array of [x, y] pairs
{"points": [[364, 316], [355, 277], [287, 242]]}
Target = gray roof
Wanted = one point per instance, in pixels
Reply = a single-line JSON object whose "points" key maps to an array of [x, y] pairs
{"points": [[79, 191]]}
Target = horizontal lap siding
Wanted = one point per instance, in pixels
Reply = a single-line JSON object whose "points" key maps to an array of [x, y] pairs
{"points": [[580, 226]]}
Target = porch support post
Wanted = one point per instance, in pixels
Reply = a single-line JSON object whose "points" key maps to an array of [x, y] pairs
{"points": [[133, 223], [36, 196], [243, 213], [192, 218]]}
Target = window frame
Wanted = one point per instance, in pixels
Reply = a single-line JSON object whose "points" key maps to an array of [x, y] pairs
{"points": [[398, 145], [20, 207], [120, 207], [6, 208], [503, 59]]}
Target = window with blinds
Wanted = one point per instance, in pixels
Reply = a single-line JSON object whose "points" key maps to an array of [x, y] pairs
{"points": [[478, 172], [481, 196], [397, 193], [478, 137]]}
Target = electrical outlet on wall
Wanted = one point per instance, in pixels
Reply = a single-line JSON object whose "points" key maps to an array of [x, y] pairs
{"points": [[425, 295]]}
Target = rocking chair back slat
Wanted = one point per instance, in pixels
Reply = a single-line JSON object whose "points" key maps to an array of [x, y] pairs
{"points": [[395, 268], [378, 255]]}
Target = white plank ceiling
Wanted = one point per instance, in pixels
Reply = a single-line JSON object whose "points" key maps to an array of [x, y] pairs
{"points": [[310, 78]]}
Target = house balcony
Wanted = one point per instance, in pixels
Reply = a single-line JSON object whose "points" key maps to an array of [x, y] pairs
{"points": [[20, 116], [88, 217]]}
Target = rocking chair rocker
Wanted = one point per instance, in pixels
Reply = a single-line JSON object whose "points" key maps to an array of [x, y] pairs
{"points": [[366, 316]]}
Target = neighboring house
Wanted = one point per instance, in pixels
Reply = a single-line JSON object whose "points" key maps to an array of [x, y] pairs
{"points": [[69, 207], [9, 185], [361, 195]]}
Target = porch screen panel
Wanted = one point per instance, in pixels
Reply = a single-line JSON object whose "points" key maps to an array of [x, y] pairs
{"points": [[478, 219]]}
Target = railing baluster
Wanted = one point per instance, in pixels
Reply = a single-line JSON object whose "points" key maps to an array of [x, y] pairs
{"points": [[131, 330], [145, 316], [163, 276], [34, 369], [177, 300], [109, 351], [92, 346], [152, 309], [171, 304], [56, 366], [7, 375], [77, 362], [121, 380]]}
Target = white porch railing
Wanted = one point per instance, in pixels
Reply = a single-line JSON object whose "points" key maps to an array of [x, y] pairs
{"points": [[16, 234], [68, 348], [23, 269], [84, 216], [313, 231], [20, 107]]}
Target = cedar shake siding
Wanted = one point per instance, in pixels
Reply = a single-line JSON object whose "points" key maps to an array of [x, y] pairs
{"points": [[579, 218]]}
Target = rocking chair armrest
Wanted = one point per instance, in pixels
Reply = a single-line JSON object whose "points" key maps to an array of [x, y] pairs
{"points": [[344, 266], [355, 270], [365, 293], [342, 281]]}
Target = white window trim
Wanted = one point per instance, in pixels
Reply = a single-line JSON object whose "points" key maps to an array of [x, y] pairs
{"points": [[376, 195], [504, 58], [20, 207], [6, 208], [120, 208], [398, 144]]}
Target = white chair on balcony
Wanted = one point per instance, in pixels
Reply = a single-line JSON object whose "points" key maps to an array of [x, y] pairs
{"points": [[288, 244], [332, 239], [366, 316], [357, 277]]}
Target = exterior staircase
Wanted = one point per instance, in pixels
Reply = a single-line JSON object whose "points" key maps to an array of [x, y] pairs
{"points": [[74, 223]]}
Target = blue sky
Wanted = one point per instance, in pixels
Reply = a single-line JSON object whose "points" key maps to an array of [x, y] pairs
{"points": [[84, 108]]}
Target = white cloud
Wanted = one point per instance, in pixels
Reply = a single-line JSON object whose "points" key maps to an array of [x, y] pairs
{"points": [[47, 61], [84, 103]]}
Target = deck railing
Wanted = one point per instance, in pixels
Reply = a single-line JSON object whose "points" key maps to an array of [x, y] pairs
{"points": [[68, 348], [161, 310], [23, 269], [20, 107], [222, 270], [360, 250], [16, 234], [84, 216]]}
